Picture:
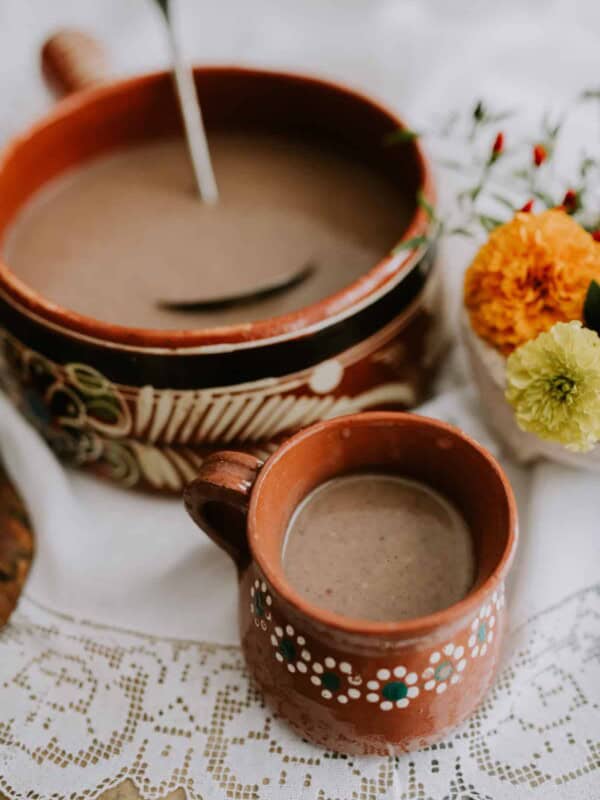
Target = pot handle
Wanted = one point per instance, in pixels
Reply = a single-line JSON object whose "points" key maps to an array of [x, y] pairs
{"points": [[217, 500], [74, 60]]}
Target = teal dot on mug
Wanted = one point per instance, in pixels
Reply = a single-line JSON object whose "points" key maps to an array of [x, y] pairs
{"points": [[443, 671], [259, 607], [330, 681], [287, 649], [396, 690], [481, 632]]}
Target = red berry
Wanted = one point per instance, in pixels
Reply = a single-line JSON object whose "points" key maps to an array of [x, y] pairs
{"points": [[540, 154], [528, 206], [570, 201], [498, 145], [596, 235]]}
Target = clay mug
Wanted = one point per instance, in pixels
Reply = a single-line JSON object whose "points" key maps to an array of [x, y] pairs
{"points": [[352, 685]]}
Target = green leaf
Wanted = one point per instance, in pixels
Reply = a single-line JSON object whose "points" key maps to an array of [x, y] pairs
{"points": [[522, 174], [474, 193], [489, 223], [552, 130], [482, 116], [479, 111], [448, 163], [590, 94], [411, 244], [500, 116], [591, 307], [546, 199], [164, 6], [586, 165], [400, 136], [461, 232], [450, 123], [425, 205], [503, 201]]}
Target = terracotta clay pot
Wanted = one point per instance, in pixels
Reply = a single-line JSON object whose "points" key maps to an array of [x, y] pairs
{"points": [[351, 685], [144, 407]]}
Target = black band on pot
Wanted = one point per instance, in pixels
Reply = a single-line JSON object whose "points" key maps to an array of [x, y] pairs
{"points": [[181, 371]]}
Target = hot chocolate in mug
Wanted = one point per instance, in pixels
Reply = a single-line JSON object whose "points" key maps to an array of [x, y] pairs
{"points": [[355, 685]]}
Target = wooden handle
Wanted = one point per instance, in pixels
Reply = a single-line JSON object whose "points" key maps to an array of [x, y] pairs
{"points": [[16, 546], [217, 500], [73, 60]]}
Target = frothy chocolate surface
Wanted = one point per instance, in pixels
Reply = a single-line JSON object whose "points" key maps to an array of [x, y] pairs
{"points": [[378, 547], [126, 230]]}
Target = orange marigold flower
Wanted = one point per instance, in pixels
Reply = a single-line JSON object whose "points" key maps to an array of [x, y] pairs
{"points": [[532, 272]]}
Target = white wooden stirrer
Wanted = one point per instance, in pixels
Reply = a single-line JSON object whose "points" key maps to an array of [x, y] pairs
{"points": [[206, 183], [192, 115]]}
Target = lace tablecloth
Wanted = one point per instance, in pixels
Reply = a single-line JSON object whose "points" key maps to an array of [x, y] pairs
{"points": [[121, 661]]}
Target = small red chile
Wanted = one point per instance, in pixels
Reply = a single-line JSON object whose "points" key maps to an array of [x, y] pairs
{"points": [[540, 154], [498, 146]]}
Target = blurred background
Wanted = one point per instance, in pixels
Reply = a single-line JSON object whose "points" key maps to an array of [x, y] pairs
{"points": [[426, 58], [421, 55]]}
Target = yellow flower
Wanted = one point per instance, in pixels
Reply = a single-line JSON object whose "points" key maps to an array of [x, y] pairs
{"points": [[553, 383]]}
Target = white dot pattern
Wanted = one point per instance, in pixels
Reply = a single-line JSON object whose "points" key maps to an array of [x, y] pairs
{"points": [[442, 670]]}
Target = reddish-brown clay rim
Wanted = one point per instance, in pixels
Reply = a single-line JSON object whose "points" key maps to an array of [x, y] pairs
{"points": [[408, 629], [264, 329]]}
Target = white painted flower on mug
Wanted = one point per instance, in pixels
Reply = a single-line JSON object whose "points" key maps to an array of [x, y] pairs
{"points": [[260, 603], [498, 598], [482, 631], [336, 680], [393, 688], [445, 668], [290, 649]]}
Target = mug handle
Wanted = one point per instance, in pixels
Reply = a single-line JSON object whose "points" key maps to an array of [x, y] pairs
{"points": [[217, 500]]}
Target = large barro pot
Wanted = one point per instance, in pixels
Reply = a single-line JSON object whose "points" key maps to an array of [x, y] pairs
{"points": [[143, 407]]}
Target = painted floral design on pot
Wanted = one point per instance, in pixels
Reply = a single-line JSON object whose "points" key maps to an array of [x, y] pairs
{"points": [[482, 631], [354, 685]]}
